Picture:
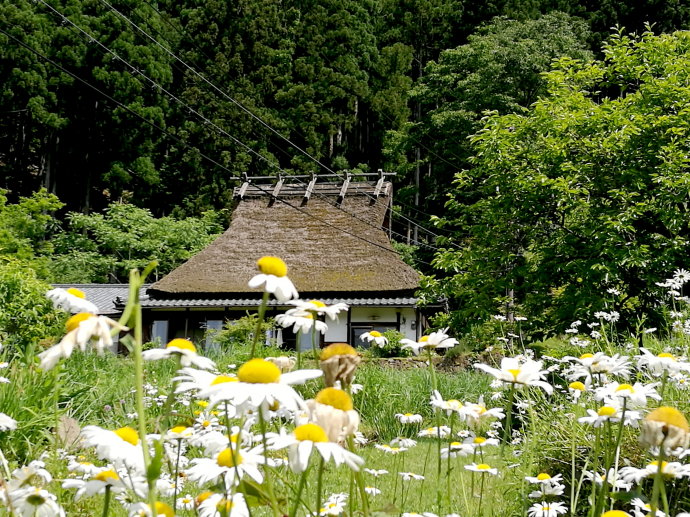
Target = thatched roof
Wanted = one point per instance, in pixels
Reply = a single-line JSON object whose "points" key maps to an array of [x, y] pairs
{"points": [[327, 249]]}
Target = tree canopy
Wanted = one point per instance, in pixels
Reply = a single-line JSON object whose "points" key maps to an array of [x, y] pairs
{"points": [[581, 203]]}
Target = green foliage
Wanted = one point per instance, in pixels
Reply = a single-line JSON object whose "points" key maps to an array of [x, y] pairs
{"points": [[26, 226], [391, 349], [27, 317], [236, 335], [585, 192], [105, 247]]}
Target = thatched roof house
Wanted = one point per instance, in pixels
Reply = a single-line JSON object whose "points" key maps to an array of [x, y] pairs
{"points": [[334, 241]]}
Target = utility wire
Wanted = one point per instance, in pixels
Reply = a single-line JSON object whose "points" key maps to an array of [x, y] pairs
{"points": [[245, 109], [156, 85], [178, 140]]}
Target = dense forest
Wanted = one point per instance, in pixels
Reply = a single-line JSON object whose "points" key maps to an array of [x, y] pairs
{"points": [[164, 105]]}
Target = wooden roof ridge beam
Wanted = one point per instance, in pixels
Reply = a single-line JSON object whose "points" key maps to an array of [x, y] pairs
{"points": [[343, 189], [310, 189]]}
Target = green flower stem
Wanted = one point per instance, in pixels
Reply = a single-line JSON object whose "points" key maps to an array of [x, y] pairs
{"points": [[595, 471], [509, 419], [257, 331], [480, 509], [56, 409], [359, 479], [300, 488], [664, 379], [299, 350], [313, 338], [177, 470], [268, 480], [106, 502], [658, 481], [165, 413], [135, 282], [319, 486], [448, 467]]}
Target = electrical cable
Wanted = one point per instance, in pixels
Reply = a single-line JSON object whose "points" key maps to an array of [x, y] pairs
{"points": [[129, 110]]}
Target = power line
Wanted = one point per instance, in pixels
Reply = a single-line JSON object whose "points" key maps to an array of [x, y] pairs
{"points": [[208, 121], [245, 109], [152, 124]]}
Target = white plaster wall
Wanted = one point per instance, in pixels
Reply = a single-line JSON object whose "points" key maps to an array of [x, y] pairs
{"points": [[337, 330]]}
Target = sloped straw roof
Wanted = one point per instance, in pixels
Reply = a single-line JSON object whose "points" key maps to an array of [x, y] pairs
{"points": [[320, 256]]}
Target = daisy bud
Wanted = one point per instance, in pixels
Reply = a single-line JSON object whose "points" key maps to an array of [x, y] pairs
{"points": [[339, 362], [665, 426]]}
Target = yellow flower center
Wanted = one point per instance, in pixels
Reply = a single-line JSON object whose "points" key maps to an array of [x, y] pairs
{"points": [[375, 333], [334, 397], [455, 444], [224, 506], [164, 509], [178, 429], [514, 372], [424, 339], [202, 497], [205, 423], [479, 440], [107, 475], [586, 356], [666, 355], [317, 303], [202, 403], [543, 476], [182, 344], [228, 458], [310, 432], [669, 416], [272, 266], [577, 385], [76, 292], [337, 349], [483, 466], [220, 379], [454, 402], [615, 513], [75, 320], [258, 371], [606, 411], [625, 387], [407, 414], [655, 463], [128, 434]]}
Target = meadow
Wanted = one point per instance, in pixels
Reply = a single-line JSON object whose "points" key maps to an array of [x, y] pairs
{"points": [[591, 423]]}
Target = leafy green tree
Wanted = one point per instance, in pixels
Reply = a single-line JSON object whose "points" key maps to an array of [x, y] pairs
{"points": [[586, 192], [499, 69], [27, 317], [104, 247]]}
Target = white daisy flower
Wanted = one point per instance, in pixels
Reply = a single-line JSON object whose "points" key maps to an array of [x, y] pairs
{"points": [[482, 468], [371, 490], [545, 509], [435, 340], [379, 339], [660, 363], [122, 446], [407, 476], [82, 328], [71, 300], [436, 432], [261, 384], [376, 473], [320, 308], [610, 413], [97, 485], [635, 395], [182, 348], [218, 505], [143, 510], [274, 278], [449, 406], [186, 502], [642, 509], [7, 423], [35, 502], [517, 373], [228, 466], [409, 418], [388, 449], [670, 469], [307, 437], [301, 321], [457, 449]]}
